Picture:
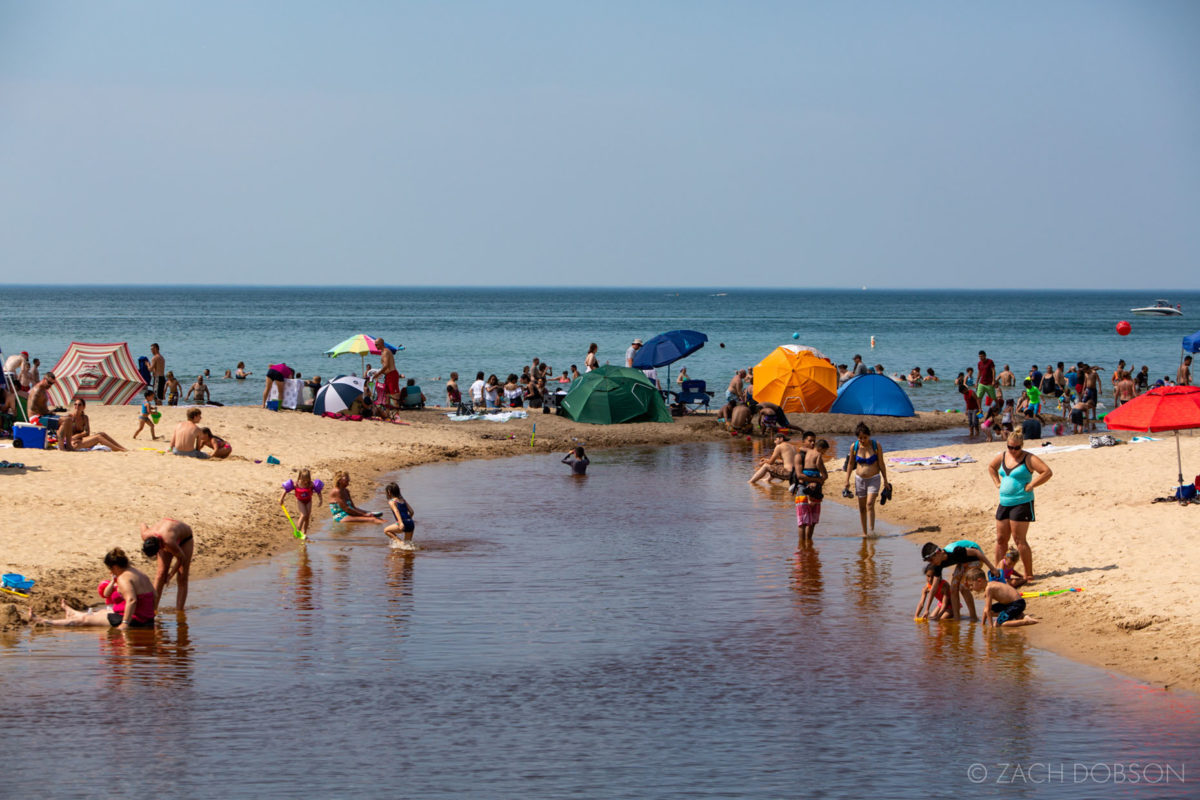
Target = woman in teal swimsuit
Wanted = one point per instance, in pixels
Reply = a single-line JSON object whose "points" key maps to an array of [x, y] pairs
{"points": [[1016, 472], [341, 505]]}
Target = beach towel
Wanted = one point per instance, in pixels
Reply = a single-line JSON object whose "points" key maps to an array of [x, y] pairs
{"points": [[932, 461]]}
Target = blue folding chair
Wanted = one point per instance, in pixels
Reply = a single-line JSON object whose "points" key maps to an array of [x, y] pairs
{"points": [[694, 396]]}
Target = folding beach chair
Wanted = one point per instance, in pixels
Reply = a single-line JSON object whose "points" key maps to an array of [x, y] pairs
{"points": [[694, 396]]}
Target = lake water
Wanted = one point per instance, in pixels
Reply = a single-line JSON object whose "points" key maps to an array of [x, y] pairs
{"points": [[650, 630], [499, 330]]}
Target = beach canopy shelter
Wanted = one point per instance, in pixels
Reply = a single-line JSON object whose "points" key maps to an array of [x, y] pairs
{"points": [[667, 348], [99, 373], [796, 378], [1191, 344], [1163, 408], [609, 395], [874, 394], [338, 395]]}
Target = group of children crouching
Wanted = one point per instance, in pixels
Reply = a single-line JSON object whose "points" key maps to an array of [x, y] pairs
{"points": [[1003, 604]]}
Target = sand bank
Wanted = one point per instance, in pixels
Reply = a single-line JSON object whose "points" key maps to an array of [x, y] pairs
{"points": [[1096, 528], [65, 510]]}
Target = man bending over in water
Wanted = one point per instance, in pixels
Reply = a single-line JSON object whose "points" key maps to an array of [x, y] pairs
{"points": [[170, 540]]}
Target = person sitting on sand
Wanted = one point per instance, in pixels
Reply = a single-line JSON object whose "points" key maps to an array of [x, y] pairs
{"points": [[38, 395], [780, 464], [936, 588], [170, 540], [220, 447], [1001, 603], [185, 441], [739, 419], [75, 432], [133, 609], [411, 395], [957, 554], [341, 504]]}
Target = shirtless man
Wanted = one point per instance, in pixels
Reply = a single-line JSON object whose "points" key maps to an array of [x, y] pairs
{"points": [[158, 371], [739, 420], [1091, 392], [75, 431], [185, 441], [1124, 389], [780, 464], [1183, 377], [735, 393], [200, 389], [1007, 378], [387, 368], [170, 540], [37, 395]]}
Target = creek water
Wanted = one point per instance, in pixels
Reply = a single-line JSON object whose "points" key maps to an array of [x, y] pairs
{"points": [[649, 630]]}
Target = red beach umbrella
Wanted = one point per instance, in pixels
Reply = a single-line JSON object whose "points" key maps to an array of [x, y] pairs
{"points": [[1163, 408], [103, 373]]}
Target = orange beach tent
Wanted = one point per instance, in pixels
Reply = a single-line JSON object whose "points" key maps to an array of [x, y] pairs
{"points": [[796, 378]]}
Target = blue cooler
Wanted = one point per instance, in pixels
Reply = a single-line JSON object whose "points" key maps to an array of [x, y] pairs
{"points": [[30, 435]]}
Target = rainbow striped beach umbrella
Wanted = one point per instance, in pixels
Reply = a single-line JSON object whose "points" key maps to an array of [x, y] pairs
{"points": [[101, 373], [361, 345]]}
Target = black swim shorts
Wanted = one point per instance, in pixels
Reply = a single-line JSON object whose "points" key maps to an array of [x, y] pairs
{"points": [[116, 619], [275, 375], [1019, 513]]}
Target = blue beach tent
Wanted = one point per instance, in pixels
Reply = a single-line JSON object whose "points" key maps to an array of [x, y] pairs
{"points": [[873, 394], [1191, 344]]}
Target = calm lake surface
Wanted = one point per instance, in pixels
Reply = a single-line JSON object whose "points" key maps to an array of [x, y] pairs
{"points": [[647, 631]]}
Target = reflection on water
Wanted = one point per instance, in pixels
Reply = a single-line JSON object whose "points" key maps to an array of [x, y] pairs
{"points": [[652, 631]]}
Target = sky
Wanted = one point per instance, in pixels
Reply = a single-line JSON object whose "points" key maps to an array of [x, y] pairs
{"points": [[733, 144]]}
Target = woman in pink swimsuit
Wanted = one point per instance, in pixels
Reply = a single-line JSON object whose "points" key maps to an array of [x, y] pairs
{"points": [[133, 604]]}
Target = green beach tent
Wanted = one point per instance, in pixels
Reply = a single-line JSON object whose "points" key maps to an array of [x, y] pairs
{"points": [[609, 395]]}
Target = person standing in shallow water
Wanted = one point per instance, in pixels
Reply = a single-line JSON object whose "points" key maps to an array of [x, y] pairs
{"points": [[870, 475], [170, 541]]}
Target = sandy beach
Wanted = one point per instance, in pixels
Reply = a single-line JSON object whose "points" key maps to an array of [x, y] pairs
{"points": [[1096, 527]]}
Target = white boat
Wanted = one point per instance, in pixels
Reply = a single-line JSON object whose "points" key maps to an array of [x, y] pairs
{"points": [[1161, 308]]}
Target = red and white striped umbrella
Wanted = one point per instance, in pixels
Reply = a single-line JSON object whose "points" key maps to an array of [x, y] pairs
{"points": [[102, 373]]}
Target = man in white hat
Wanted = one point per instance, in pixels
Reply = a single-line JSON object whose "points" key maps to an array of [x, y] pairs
{"points": [[632, 351]]}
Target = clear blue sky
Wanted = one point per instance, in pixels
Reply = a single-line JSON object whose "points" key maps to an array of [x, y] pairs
{"points": [[927, 144]]}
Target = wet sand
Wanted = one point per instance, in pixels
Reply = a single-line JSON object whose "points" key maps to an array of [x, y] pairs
{"points": [[1096, 528]]}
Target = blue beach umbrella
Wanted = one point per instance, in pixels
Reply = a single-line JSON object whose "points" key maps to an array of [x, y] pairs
{"points": [[337, 395], [667, 348]]}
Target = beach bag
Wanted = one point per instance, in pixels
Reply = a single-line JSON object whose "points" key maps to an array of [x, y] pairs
{"points": [[1185, 493]]}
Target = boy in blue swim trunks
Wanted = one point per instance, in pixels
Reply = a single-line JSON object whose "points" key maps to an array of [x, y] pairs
{"points": [[1001, 603]]}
